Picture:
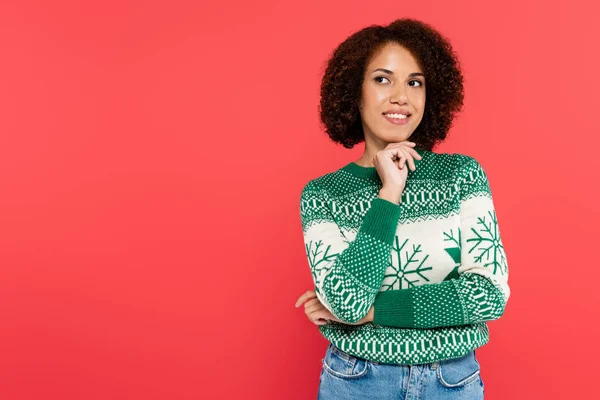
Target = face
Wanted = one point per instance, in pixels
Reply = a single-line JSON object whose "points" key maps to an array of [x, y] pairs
{"points": [[393, 83]]}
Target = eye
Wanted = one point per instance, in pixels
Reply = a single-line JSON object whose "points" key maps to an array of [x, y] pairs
{"points": [[380, 77], [414, 80]]}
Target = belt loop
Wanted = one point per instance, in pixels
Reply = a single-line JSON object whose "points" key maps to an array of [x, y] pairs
{"points": [[434, 365]]}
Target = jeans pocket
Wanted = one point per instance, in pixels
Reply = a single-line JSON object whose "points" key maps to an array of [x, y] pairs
{"points": [[343, 365], [458, 372]]}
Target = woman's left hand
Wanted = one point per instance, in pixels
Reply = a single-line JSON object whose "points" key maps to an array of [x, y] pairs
{"points": [[318, 314]]}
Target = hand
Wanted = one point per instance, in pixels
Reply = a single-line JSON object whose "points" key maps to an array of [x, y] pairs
{"points": [[319, 315], [406, 154], [315, 311], [390, 163]]}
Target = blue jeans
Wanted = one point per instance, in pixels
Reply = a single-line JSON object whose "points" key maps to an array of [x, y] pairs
{"points": [[344, 376]]}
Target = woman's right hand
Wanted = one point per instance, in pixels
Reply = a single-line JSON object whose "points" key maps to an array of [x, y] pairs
{"points": [[390, 165], [314, 310]]}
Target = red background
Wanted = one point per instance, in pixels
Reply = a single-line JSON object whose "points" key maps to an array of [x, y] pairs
{"points": [[152, 155]]}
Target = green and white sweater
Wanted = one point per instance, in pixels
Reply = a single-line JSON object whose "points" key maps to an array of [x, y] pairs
{"points": [[433, 266]]}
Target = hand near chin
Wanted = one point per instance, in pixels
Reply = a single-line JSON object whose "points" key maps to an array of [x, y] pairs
{"points": [[391, 164]]}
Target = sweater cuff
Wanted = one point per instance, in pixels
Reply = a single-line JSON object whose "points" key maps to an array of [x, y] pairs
{"points": [[381, 221], [395, 308]]}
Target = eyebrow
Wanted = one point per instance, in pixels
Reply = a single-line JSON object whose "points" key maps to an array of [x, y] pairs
{"points": [[387, 71]]}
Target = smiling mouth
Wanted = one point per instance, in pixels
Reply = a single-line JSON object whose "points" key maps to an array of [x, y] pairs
{"points": [[397, 115], [397, 119]]}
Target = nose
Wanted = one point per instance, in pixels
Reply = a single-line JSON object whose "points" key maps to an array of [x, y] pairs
{"points": [[399, 95]]}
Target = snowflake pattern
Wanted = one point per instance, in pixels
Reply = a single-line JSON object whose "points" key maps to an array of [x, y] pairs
{"points": [[449, 237], [401, 269], [453, 251], [318, 258], [488, 242], [434, 192]]}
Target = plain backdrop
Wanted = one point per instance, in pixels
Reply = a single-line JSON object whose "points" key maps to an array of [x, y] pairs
{"points": [[152, 155]]}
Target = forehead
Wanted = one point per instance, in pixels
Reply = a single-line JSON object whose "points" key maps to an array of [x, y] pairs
{"points": [[394, 57]]}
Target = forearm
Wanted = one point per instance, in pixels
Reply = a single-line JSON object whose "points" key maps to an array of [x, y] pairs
{"points": [[344, 284], [471, 298]]}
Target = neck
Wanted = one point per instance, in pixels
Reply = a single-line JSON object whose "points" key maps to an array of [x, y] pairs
{"points": [[365, 160], [372, 146]]}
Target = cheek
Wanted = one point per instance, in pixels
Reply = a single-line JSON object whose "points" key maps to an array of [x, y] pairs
{"points": [[373, 103], [420, 101]]}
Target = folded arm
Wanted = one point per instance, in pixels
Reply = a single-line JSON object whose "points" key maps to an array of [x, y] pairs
{"points": [[480, 291], [347, 276]]}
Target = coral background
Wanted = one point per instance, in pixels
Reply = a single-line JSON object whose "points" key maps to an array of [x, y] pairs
{"points": [[152, 155]]}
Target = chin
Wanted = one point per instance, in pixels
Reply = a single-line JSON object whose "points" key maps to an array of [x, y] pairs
{"points": [[396, 137]]}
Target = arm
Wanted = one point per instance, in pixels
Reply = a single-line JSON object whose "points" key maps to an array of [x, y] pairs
{"points": [[347, 276], [480, 291]]}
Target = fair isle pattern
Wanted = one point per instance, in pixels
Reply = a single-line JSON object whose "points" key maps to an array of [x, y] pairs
{"points": [[433, 266], [354, 294], [484, 301], [406, 346], [348, 274], [430, 200]]}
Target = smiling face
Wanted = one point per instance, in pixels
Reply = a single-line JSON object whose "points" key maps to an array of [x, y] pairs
{"points": [[393, 83]]}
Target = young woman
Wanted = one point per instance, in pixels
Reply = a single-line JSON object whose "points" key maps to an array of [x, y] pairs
{"points": [[403, 244]]}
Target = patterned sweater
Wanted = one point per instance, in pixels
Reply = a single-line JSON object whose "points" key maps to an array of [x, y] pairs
{"points": [[433, 266]]}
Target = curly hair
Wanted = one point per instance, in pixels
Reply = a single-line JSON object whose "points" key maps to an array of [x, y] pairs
{"points": [[341, 86]]}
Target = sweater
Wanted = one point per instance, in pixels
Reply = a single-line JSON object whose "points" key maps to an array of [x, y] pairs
{"points": [[433, 266]]}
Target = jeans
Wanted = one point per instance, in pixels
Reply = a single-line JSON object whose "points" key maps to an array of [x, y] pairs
{"points": [[344, 376]]}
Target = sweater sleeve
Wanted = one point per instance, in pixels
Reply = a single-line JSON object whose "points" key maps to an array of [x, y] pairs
{"points": [[480, 291], [347, 276]]}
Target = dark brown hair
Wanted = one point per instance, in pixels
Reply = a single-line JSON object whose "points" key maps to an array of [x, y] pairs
{"points": [[341, 86]]}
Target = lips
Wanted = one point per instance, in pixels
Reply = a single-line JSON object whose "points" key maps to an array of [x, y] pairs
{"points": [[403, 112], [397, 121]]}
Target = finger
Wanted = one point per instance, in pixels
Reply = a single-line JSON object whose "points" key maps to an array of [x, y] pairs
{"points": [[404, 172], [411, 162], [311, 302], [409, 147], [401, 162], [309, 294], [300, 300], [403, 157], [409, 158], [313, 307], [397, 162], [413, 153], [402, 154], [397, 144], [320, 315]]}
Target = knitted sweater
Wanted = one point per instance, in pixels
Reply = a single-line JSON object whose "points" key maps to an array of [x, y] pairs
{"points": [[433, 266]]}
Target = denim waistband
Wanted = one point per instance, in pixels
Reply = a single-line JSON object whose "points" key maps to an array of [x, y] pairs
{"points": [[432, 365]]}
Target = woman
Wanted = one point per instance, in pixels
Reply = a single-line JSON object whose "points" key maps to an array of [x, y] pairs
{"points": [[403, 243]]}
